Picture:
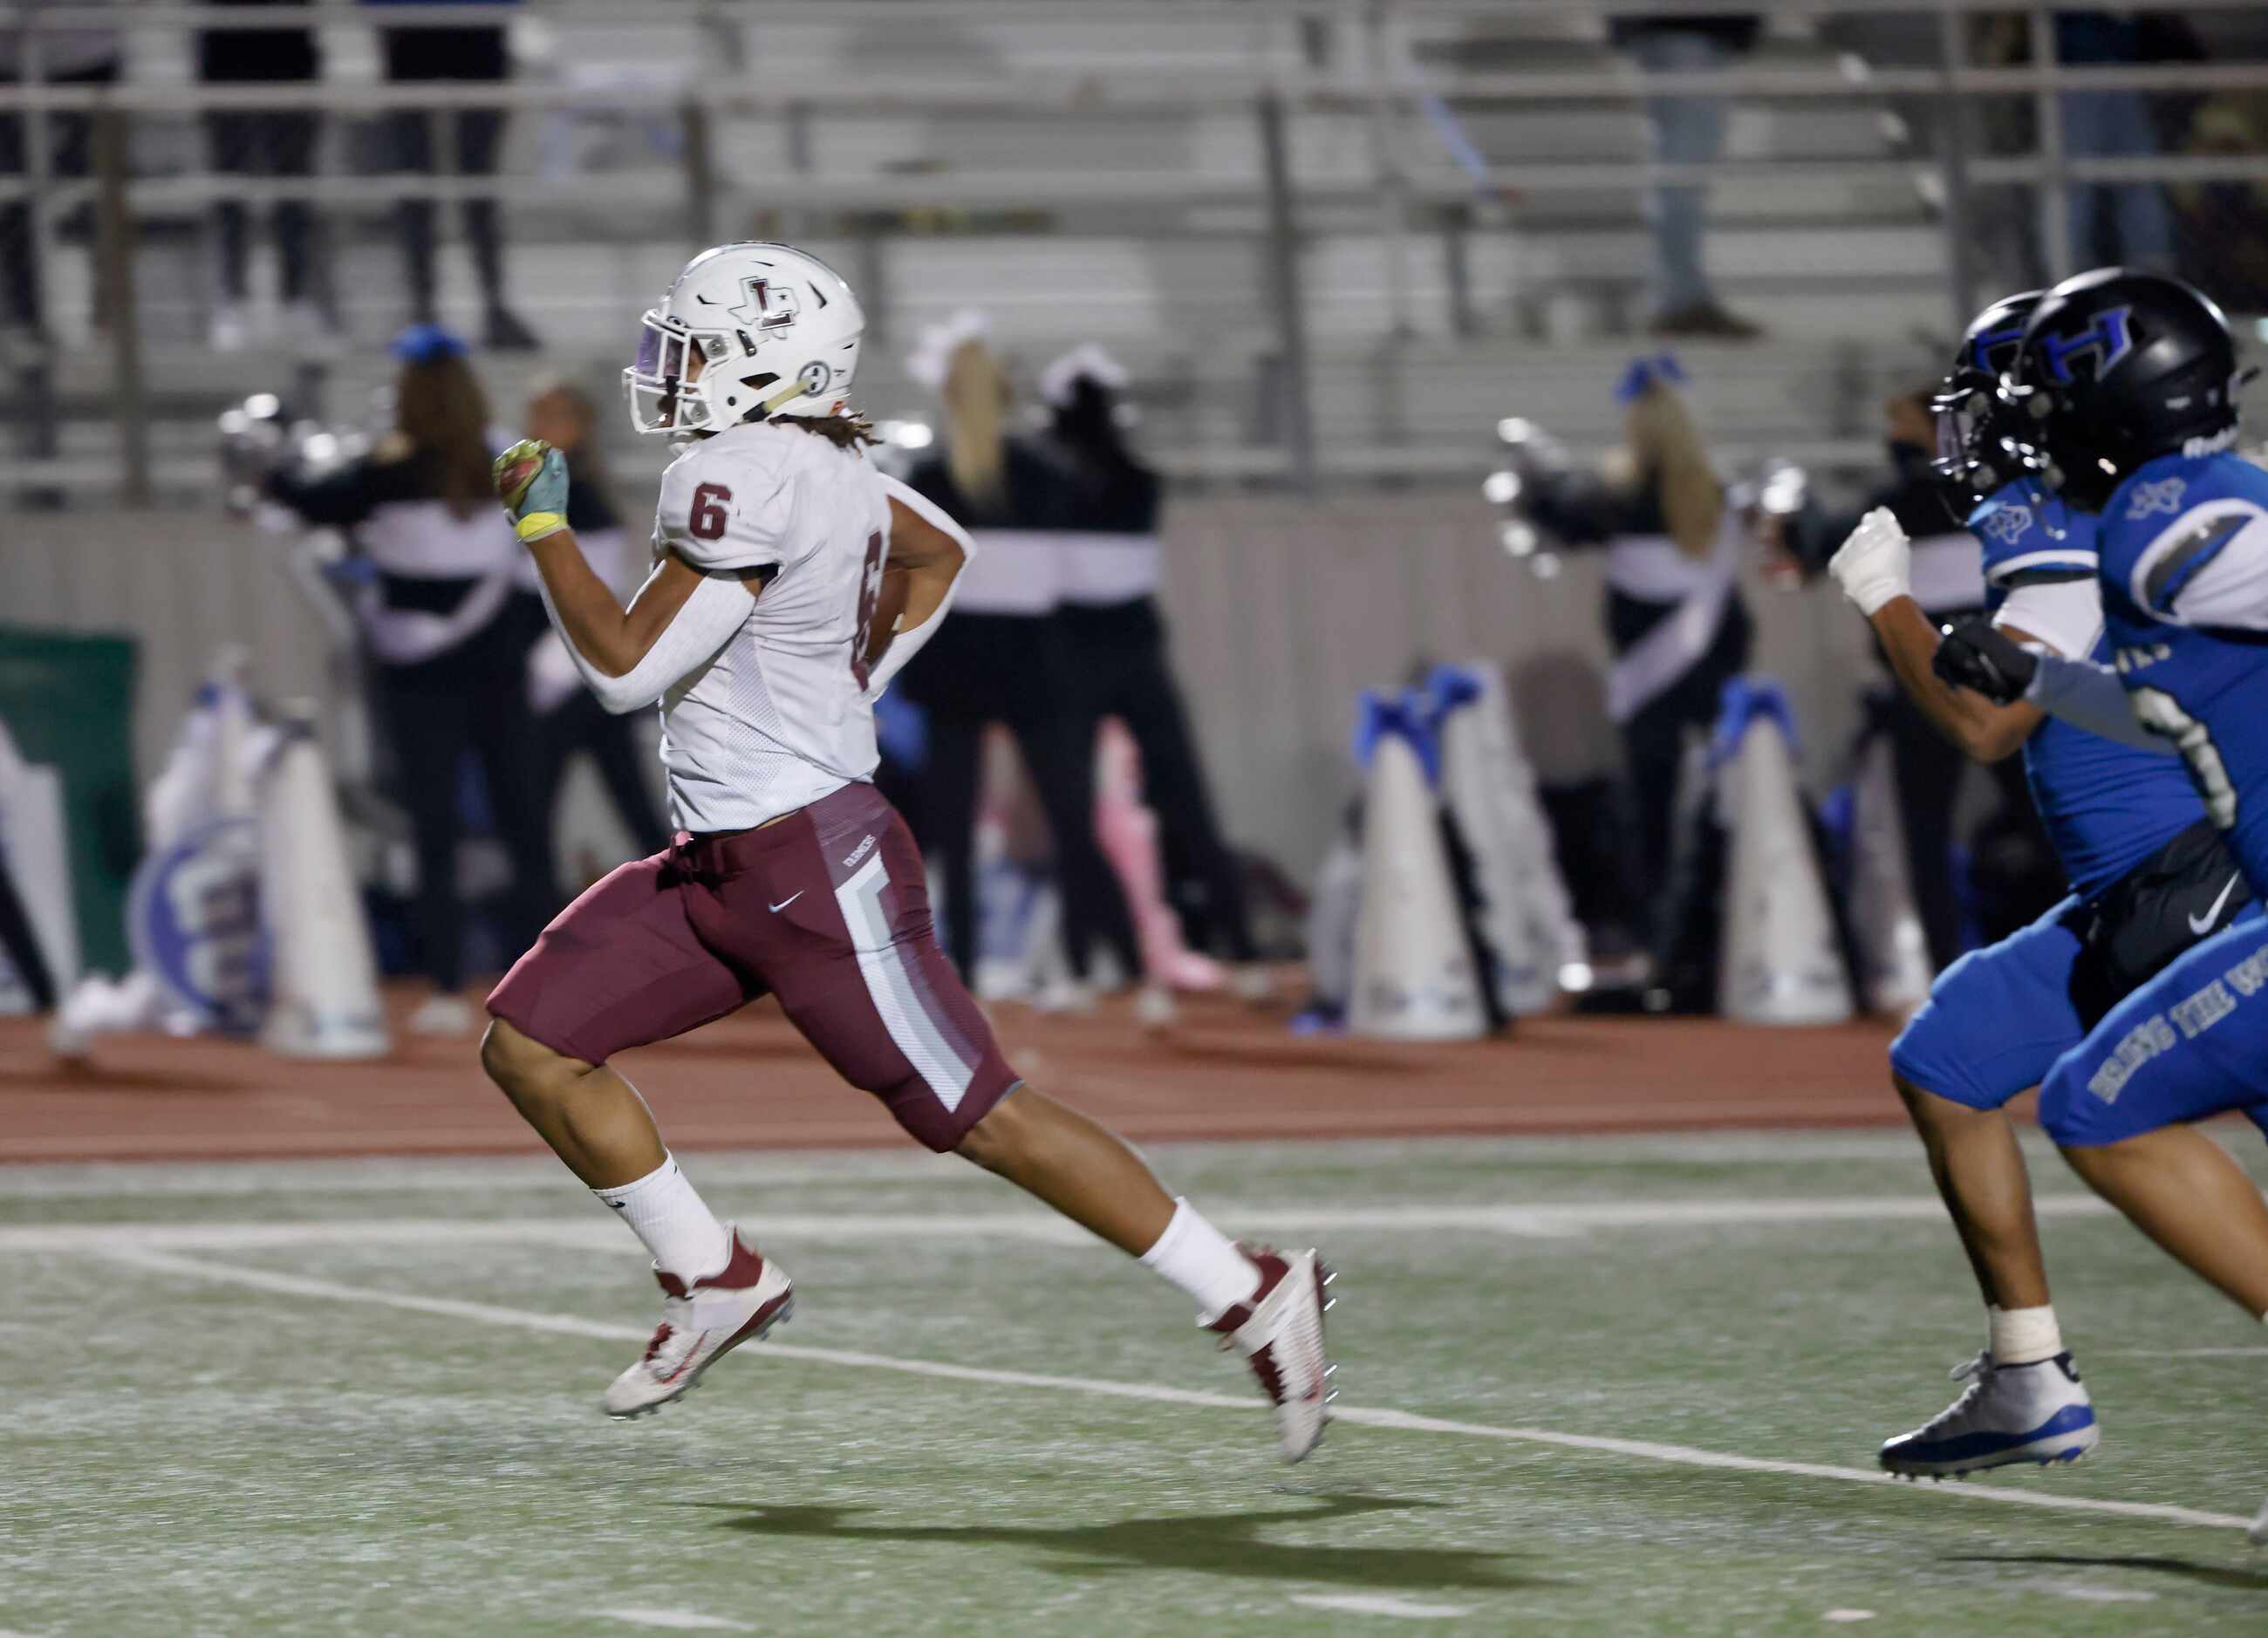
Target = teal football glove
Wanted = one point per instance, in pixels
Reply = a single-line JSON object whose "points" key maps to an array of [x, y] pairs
{"points": [[531, 480]]}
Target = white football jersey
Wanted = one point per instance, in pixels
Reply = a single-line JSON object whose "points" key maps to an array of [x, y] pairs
{"points": [[779, 717]]}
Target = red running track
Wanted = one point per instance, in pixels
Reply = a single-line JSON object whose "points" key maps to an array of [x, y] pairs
{"points": [[750, 1082]]}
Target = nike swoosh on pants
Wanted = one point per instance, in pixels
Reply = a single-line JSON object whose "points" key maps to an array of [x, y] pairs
{"points": [[2203, 924]]}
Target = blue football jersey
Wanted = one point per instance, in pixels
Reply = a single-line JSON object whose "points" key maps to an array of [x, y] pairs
{"points": [[2106, 806], [2204, 684]]}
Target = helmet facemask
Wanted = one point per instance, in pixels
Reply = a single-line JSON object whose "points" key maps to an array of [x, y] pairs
{"points": [[660, 387], [1972, 443]]}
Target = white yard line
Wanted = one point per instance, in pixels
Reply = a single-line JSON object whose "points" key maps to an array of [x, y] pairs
{"points": [[1380, 1603], [565, 1324], [672, 1620], [1543, 1221]]}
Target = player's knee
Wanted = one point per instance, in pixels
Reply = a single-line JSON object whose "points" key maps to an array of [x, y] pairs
{"points": [[525, 1069], [1933, 1113], [1002, 1137]]}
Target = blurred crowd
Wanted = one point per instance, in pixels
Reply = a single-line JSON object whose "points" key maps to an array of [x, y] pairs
{"points": [[281, 145], [2206, 229], [2209, 231]]}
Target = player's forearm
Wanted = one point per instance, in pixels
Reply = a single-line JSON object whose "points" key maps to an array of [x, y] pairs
{"points": [[928, 588], [929, 596], [583, 607], [710, 608], [1983, 731]]}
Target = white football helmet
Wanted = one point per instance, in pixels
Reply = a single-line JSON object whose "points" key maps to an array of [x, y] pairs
{"points": [[775, 330]]}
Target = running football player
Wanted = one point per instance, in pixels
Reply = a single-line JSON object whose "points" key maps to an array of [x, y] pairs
{"points": [[755, 631], [2148, 878], [2124, 388]]}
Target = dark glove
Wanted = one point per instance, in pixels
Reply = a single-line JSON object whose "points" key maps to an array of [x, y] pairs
{"points": [[1977, 655]]}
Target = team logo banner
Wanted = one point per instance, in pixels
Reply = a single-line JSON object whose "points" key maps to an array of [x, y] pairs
{"points": [[193, 918]]}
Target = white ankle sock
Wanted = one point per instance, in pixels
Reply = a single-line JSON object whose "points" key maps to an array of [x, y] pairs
{"points": [[2022, 1336], [1203, 1262], [662, 1209]]}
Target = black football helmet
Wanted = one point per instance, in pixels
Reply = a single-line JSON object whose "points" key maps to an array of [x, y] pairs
{"points": [[2117, 367], [1975, 429]]}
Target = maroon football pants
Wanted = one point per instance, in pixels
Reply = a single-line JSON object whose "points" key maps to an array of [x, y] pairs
{"points": [[825, 908]]}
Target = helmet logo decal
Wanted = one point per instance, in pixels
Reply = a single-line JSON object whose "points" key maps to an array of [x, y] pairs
{"points": [[766, 309], [2164, 495], [1982, 347], [2110, 337], [2007, 523], [814, 377]]}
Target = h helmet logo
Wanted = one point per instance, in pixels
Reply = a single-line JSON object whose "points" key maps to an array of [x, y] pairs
{"points": [[768, 308], [2109, 337], [1982, 351]]}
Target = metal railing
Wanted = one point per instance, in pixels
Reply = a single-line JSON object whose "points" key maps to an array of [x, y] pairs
{"points": [[1372, 75]]}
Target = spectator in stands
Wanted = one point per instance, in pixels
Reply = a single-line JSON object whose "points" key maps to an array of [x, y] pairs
{"points": [[1948, 584], [1674, 616], [1003, 657], [429, 56], [66, 57], [2129, 222], [1687, 128], [2224, 223], [1116, 634], [451, 665], [569, 716], [263, 142]]}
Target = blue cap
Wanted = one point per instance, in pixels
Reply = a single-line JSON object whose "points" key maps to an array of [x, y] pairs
{"points": [[424, 344], [1638, 379]]}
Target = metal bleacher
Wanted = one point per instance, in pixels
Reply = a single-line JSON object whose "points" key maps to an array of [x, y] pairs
{"points": [[1091, 170]]}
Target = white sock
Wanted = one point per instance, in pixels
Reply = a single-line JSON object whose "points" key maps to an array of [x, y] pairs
{"points": [[1203, 1262], [2022, 1336], [682, 1233]]}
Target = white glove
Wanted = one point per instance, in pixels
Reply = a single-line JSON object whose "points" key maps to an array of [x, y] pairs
{"points": [[1875, 564]]}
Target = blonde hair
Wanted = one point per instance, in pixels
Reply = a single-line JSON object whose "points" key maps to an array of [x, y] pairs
{"points": [[1665, 451], [975, 393]]}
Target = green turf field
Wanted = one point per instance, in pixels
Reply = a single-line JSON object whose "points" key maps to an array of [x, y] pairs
{"points": [[362, 1398]]}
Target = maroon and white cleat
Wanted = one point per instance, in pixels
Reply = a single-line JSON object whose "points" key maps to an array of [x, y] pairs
{"points": [[700, 1325], [1279, 1331]]}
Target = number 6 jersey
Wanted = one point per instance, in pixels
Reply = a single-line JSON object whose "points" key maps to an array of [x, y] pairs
{"points": [[778, 716]]}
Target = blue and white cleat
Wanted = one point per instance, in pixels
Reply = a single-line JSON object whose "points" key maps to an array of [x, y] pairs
{"points": [[2008, 1414]]}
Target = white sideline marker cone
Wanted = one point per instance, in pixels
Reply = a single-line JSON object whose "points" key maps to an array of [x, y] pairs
{"points": [[35, 851], [1413, 969], [1778, 961], [1334, 912], [323, 980], [1527, 920], [1894, 950]]}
